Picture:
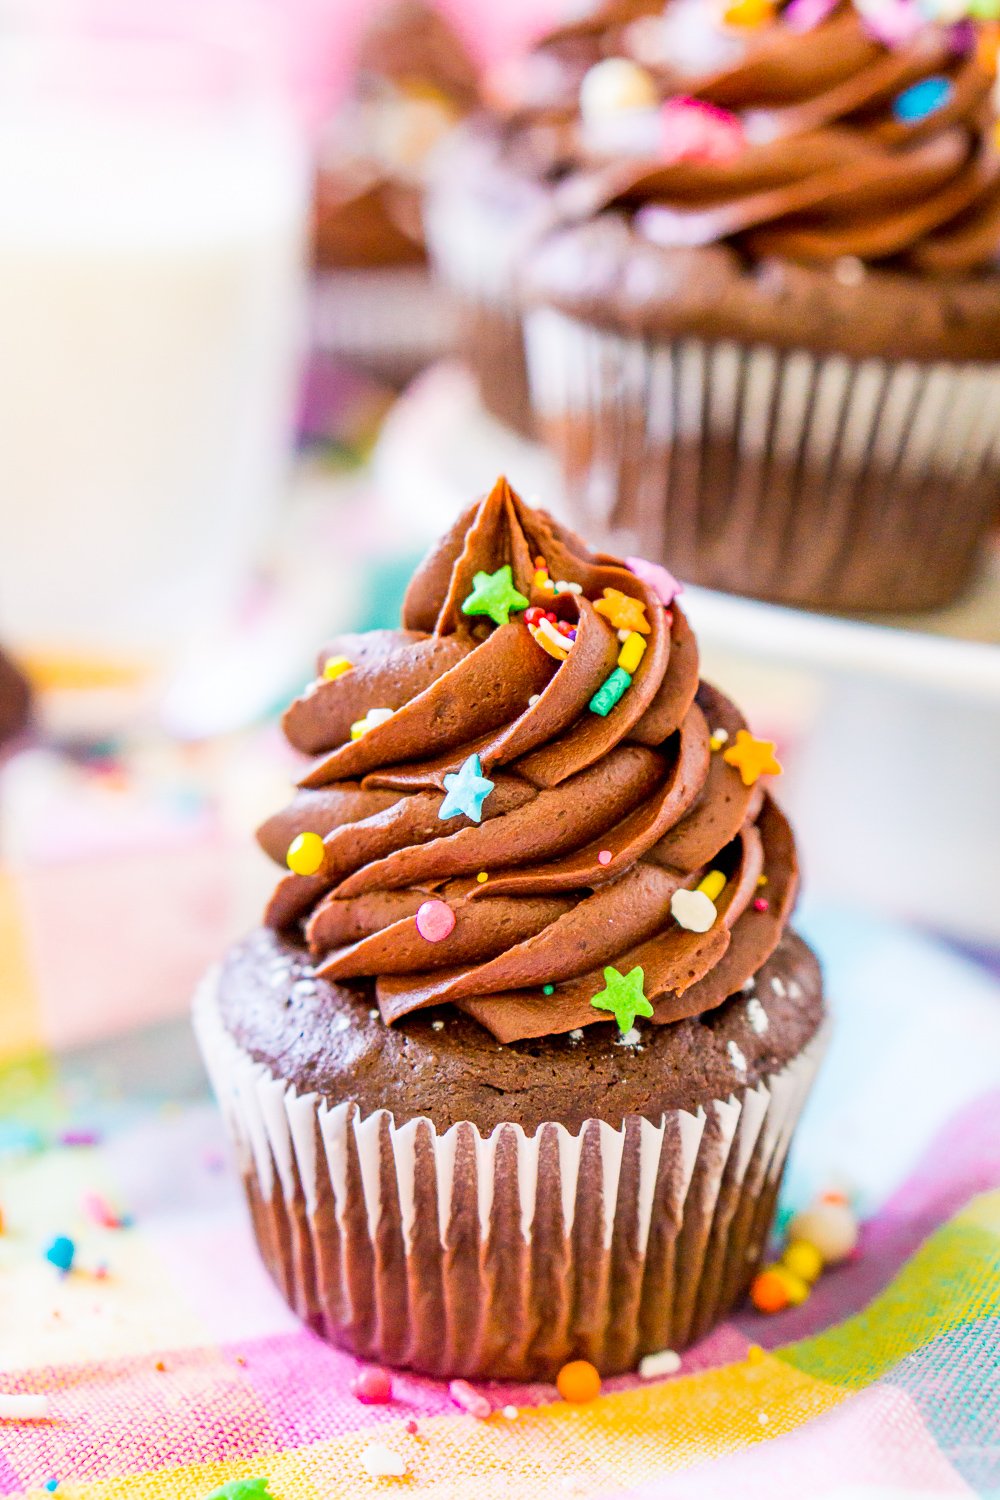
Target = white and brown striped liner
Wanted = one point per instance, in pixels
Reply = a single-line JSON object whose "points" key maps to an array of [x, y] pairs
{"points": [[505, 1255], [386, 315], [803, 478]]}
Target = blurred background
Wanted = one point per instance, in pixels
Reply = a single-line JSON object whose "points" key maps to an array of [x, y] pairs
{"points": [[233, 413]]}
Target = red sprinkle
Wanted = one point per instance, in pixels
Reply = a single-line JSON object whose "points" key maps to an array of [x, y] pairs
{"points": [[552, 619], [533, 614], [761, 903], [463, 1395], [372, 1386], [411, 1427]]}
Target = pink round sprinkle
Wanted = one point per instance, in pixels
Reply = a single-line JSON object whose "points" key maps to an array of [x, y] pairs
{"points": [[463, 1395], [604, 857], [435, 919], [694, 130], [411, 1427], [761, 903], [372, 1386]]}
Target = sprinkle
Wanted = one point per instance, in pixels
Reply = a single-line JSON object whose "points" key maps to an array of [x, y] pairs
{"points": [[51, 1485], [849, 270], [382, 1462], [541, 579], [831, 1227], [736, 1057], [660, 579], [623, 611], [803, 1259], [372, 1386], [755, 1355], [693, 910], [614, 85], [336, 666], [666, 1362], [576, 1035], [61, 1253], [757, 1016], [749, 13], [778, 986], [761, 880], [551, 639], [306, 854], [623, 635], [548, 989], [610, 692], [922, 99], [482, 877], [24, 1408], [713, 884], [411, 1427], [437, 1025], [578, 1381], [761, 903], [632, 652], [466, 791], [748, 986], [630, 1038], [494, 594], [693, 130], [372, 719], [563, 587], [469, 1399], [768, 1291], [160, 1366], [718, 738], [435, 920], [511, 1413], [533, 699], [624, 996], [100, 1210], [763, 1418], [753, 758], [79, 1138], [604, 856]]}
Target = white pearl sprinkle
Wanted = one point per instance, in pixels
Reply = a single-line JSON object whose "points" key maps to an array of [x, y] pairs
{"points": [[757, 1016], [748, 986], [437, 1025], [666, 1362], [721, 735], [763, 1418], [382, 1462], [373, 1013], [577, 1035], [693, 910], [533, 699], [510, 1412], [629, 1038], [562, 587], [736, 1057], [778, 986], [623, 635], [795, 989]]}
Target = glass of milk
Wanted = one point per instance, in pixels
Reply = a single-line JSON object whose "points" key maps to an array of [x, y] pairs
{"points": [[153, 200]]}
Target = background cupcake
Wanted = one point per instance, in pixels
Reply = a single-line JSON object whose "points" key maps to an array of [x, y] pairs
{"points": [[767, 336], [491, 194], [376, 303], [513, 1067], [15, 699]]}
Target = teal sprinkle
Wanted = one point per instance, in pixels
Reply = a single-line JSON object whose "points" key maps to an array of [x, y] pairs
{"points": [[610, 692], [922, 99], [242, 1489], [548, 989]]}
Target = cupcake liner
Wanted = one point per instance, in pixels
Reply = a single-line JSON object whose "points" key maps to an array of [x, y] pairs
{"points": [[394, 320], [858, 484], [476, 246], [503, 1256]]}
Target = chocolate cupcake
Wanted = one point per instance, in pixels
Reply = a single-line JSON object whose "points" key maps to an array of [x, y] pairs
{"points": [[513, 1066], [15, 699], [376, 304], [491, 195], [766, 334]]}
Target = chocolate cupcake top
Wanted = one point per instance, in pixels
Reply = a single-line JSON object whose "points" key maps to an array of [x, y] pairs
{"points": [[15, 699], [816, 134], [414, 79], [524, 803]]}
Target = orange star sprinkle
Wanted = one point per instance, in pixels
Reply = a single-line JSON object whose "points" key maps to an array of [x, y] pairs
{"points": [[623, 612], [752, 758]]}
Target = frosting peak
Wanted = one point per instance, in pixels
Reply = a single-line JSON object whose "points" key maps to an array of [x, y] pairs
{"points": [[545, 764]]}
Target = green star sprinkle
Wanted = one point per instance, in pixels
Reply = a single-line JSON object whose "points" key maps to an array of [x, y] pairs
{"points": [[494, 594], [242, 1489], [624, 997]]}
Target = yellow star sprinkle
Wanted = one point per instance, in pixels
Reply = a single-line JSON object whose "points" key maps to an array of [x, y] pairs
{"points": [[623, 612], [752, 758]]}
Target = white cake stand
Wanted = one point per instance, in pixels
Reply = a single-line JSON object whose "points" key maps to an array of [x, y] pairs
{"points": [[890, 727]]}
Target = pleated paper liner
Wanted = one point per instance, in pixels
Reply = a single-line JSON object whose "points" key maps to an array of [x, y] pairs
{"points": [[504, 1256], [476, 244], [391, 320], [801, 478]]}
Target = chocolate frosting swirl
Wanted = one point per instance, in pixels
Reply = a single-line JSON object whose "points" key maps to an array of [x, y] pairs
{"points": [[642, 785], [831, 167]]}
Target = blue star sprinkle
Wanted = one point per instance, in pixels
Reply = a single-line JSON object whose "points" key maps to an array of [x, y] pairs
{"points": [[467, 789]]}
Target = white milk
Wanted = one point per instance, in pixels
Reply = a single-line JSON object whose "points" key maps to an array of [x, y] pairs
{"points": [[152, 210]]}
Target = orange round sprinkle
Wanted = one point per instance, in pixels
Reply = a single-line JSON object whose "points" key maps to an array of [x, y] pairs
{"points": [[768, 1292], [578, 1381]]}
